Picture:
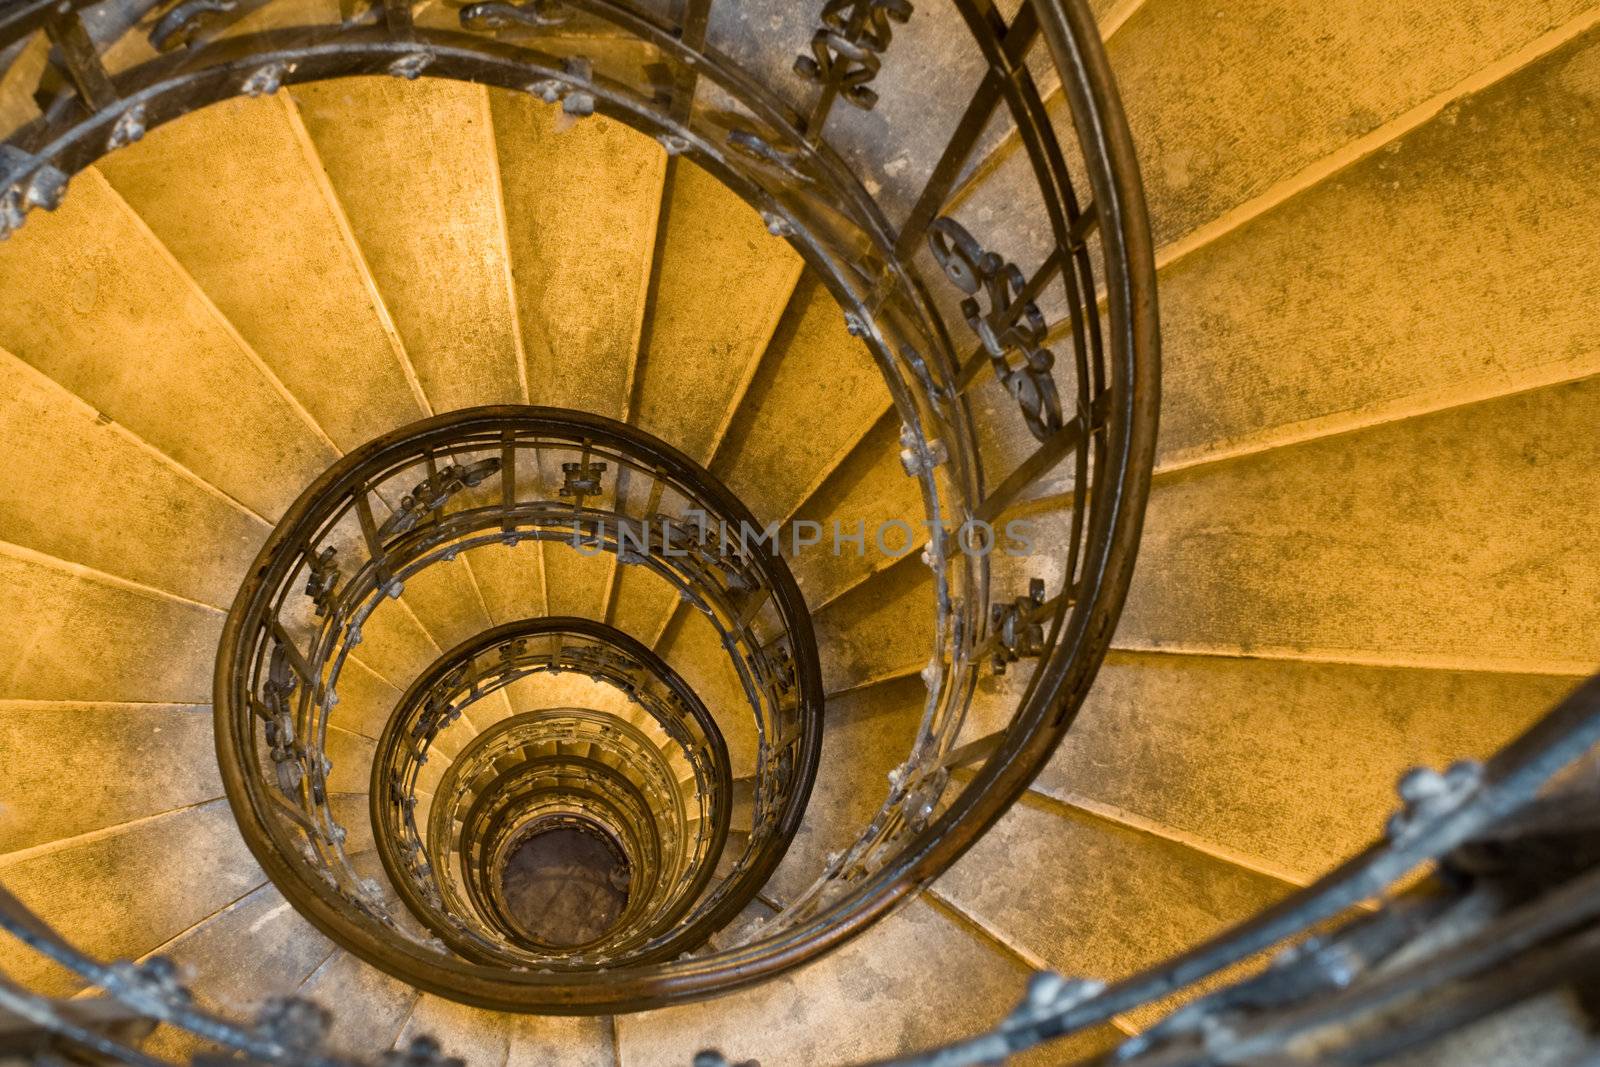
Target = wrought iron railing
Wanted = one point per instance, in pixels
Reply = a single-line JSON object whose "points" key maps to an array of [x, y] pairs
{"points": [[958, 276], [469, 481], [1509, 912], [681, 768]]}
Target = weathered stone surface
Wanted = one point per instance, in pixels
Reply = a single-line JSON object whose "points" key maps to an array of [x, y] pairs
{"points": [[125, 892], [693, 649], [414, 167], [869, 732], [284, 950], [216, 190], [723, 281], [816, 376], [74, 638], [867, 493], [572, 1041], [365, 700], [369, 1008], [577, 583], [581, 202], [1459, 539], [1270, 86], [474, 1035], [66, 463], [72, 768], [1095, 899], [1463, 278], [351, 755], [1291, 763], [870, 999], [511, 580], [445, 599], [395, 645], [193, 392], [879, 629]]}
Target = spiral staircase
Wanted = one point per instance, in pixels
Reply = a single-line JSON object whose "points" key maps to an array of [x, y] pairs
{"points": [[589, 531]]}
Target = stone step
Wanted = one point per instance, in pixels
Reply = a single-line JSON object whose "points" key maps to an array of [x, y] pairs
{"points": [[100, 765], [1453, 540], [198, 392], [1459, 282], [414, 168], [216, 190], [581, 206], [1095, 899], [84, 637], [70, 467], [1286, 86], [1289, 764], [368, 1007], [882, 628], [721, 284], [869, 493], [815, 394], [870, 999], [123, 892], [869, 733], [284, 951]]}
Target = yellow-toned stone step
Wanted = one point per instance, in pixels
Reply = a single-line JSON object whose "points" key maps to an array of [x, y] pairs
{"points": [[365, 700], [581, 205], [881, 629], [867, 494], [1286, 85], [813, 368], [87, 491], [122, 892], [721, 286], [692, 647], [395, 645], [470, 1034], [1291, 764], [413, 164], [577, 581], [284, 950], [447, 601], [1094, 899], [869, 733], [572, 1041], [72, 768], [862, 1002], [237, 194], [76, 636], [511, 579], [643, 603], [100, 305], [368, 1007], [351, 756], [1463, 278], [1456, 539], [352, 811]]}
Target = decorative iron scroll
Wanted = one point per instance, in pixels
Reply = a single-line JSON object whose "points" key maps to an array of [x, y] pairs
{"points": [[847, 51], [1011, 328]]}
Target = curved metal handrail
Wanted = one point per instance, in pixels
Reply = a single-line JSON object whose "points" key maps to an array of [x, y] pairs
{"points": [[279, 664], [496, 658], [875, 260]]}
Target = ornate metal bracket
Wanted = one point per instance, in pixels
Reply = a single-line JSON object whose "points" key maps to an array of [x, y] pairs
{"points": [[1011, 328], [498, 15], [323, 582], [846, 51], [432, 493], [1016, 631], [581, 479]]}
